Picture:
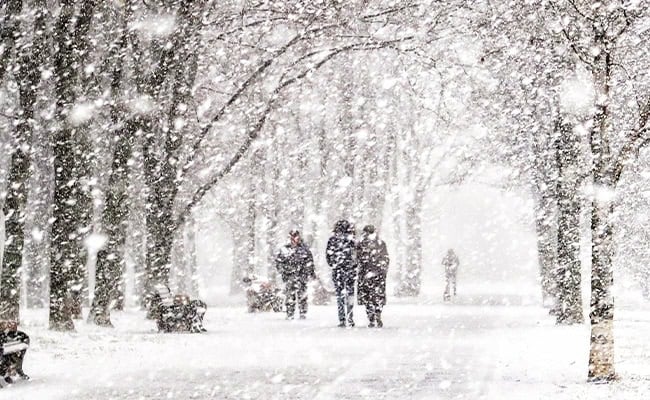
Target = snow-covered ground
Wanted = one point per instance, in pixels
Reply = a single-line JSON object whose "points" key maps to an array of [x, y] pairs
{"points": [[494, 342], [473, 349]]}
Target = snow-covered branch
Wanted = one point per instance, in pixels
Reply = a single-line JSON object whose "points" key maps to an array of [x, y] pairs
{"points": [[254, 131]]}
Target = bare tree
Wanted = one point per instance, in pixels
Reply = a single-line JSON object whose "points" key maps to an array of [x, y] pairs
{"points": [[596, 35], [30, 57], [71, 37]]}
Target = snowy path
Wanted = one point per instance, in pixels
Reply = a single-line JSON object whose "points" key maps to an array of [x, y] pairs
{"points": [[424, 352]]}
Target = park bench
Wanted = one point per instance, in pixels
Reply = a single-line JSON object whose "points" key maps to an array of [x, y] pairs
{"points": [[13, 346], [176, 313], [321, 295], [262, 295]]}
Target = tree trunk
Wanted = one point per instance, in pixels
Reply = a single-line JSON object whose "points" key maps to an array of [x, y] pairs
{"points": [[347, 204], [408, 255], [117, 57], [568, 236], [29, 77], [601, 315], [251, 217], [179, 273], [545, 187], [376, 183], [2, 236], [299, 205], [192, 267], [254, 207], [545, 217], [240, 259], [137, 251], [14, 210], [9, 27], [162, 179], [601, 354], [398, 238], [63, 254], [39, 204], [320, 213], [110, 259], [274, 212], [158, 244], [412, 282], [71, 36], [84, 209]]}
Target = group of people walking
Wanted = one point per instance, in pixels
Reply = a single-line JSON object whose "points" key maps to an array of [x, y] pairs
{"points": [[360, 265]]}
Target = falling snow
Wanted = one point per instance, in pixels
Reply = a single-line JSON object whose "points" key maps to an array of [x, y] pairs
{"points": [[163, 158]]}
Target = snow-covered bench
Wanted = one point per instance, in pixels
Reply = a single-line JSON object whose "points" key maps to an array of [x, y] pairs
{"points": [[177, 313], [13, 346], [262, 295]]}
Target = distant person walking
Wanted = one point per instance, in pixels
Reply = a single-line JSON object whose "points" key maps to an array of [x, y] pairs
{"points": [[295, 264], [341, 258], [372, 256], [451, 263]]}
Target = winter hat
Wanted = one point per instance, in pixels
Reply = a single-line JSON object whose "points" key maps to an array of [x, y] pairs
{"points": [[369, 229], [341, 226]]}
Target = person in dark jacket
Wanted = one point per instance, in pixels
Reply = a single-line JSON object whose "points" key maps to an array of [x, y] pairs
{"points": [[373, 260], [341, 258], [295, 264], [451, 263], [13, 346]]}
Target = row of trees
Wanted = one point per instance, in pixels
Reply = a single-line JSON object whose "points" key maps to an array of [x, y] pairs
{"points": [[584, 120], [300, 113], [175, 84]]}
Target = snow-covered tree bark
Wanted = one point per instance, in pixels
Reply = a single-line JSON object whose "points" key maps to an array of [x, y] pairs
{"points": [[71, 35], [273, 211], [178, 64], [9, 31], [110, 259], [568, 273], [250, 243], [412, 282], [544, 182], [601, 316], [600, 36], [39, 204], [29, 57], [191, 261]]}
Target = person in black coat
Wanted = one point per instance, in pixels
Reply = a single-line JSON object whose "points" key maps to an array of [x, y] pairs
{"points": [[372, 256], [341, 258], [13, 346], [295, 264]]}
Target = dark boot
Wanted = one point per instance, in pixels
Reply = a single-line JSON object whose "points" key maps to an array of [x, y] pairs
{"points": [[350, 315], [19, 365], [291, 308], [378, 321], [370, 312]]}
